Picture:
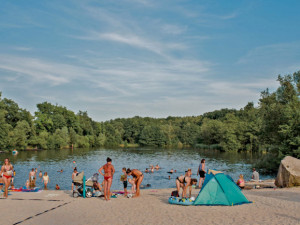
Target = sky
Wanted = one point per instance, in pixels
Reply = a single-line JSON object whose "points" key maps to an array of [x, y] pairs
{"points": [[156, 58]]}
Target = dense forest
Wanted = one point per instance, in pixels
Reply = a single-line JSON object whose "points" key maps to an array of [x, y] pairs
{"points": [[273, 127]]}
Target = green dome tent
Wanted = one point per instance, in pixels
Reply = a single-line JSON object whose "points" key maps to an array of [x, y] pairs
{"points": [[219, 189]]}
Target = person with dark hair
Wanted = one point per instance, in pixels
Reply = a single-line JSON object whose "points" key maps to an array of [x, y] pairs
{"points": [[74, 174], [138, 176], [124, 180], [7, 172], [184, 181], [108, 174], [201, 171]]}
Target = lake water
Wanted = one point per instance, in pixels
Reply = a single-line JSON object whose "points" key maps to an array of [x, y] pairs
{"points": [[90, 160]]}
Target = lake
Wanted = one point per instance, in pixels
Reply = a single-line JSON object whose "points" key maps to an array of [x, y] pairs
{"points": [[90, 160]]}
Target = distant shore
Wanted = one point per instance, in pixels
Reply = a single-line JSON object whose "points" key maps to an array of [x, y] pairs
{"points": [[270, 206]]}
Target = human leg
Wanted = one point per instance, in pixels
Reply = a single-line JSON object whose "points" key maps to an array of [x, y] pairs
{"points": [[109, 182], [138, 183]]}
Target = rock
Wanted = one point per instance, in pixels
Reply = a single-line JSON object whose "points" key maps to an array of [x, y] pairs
{"points": [[289, 172]]}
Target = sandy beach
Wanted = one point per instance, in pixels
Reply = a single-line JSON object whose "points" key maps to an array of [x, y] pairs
{"points": [[270, 206]]}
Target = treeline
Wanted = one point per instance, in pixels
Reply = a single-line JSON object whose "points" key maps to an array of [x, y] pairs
{"points": [[272, 127]]}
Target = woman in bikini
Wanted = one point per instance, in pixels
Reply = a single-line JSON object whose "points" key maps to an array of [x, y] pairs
{"points": [[184, 181], [109, 171], [7, 172], [138, 177]]}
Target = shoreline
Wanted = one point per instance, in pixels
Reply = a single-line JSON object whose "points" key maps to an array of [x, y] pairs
{"points": [[270, 206]]}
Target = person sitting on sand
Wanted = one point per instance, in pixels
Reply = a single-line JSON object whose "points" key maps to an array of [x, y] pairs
{"points": [[184, 181], [139, 176], [27, 184], [241, 182], [255, 175], [108, 174]]}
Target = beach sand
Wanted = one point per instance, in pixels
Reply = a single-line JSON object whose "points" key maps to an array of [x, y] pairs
{"points": [[270, 206]]}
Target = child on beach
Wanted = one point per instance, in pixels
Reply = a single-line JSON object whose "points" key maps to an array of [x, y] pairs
{"points": [[124, 180], [46, 180], [57, 187], [241, 182]]}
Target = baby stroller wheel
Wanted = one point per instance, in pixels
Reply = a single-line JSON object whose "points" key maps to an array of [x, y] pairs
{"points": [[88, 194], [75, 194]]}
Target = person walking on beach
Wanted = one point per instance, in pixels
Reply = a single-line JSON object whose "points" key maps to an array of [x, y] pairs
{"points": [[201, 171], [109, 171], [46, 180], [138, 176], [7, 172]]}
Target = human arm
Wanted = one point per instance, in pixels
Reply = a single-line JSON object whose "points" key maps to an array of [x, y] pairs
{"points": [[113, 171], [100, 171]]}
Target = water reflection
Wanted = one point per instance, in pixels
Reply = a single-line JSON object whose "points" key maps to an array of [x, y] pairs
{"points": [[90, 160]]}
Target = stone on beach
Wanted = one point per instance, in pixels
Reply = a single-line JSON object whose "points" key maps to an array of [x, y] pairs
{"points": [[289, 172]]}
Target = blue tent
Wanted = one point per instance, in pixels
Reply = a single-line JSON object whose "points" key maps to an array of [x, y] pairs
{"points": [[220, 189]]}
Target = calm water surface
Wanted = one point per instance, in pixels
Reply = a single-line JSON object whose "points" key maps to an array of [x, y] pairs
{"points": [[90, 160]]}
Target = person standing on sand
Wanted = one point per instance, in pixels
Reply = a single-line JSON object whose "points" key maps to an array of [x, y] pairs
{"points": [[201, 171], [109, 171], [7, 172], [138, 176]]}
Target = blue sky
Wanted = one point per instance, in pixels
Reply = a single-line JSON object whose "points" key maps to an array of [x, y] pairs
{"points": [[145, 57]]}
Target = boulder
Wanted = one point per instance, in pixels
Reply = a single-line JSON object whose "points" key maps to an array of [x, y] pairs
{"points": [[289, 172]]}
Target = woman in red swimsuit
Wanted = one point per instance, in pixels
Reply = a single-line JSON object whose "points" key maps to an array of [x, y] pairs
{"points": [[109, 171], [7, 172]]}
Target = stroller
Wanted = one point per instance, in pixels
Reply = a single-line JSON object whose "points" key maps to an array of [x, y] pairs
{"points": [[89, 185]]}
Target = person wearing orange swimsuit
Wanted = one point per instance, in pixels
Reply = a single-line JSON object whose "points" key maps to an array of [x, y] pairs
{"points": [[7, 172], [108, 174]]}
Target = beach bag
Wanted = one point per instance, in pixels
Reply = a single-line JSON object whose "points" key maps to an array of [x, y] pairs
{"points": [[174, 194]]}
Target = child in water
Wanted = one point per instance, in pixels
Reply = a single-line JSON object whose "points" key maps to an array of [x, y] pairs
{"points": [[46, 180], [124, 180]]}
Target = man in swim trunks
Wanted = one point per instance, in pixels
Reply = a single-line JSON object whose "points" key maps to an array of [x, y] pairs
{"points": [[109, 171], [32, 177]]}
